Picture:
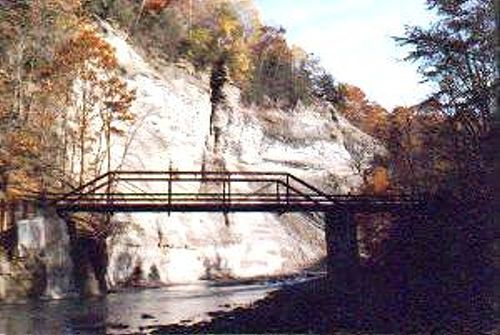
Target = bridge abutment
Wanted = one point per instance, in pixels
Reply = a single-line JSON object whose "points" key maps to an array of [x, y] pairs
{"points": [[342, 250]]}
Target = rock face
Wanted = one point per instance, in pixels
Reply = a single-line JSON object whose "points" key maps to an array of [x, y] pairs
{"points": [[172, 131], [42, 266]]}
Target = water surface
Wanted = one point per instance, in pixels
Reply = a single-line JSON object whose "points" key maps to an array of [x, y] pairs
{"points": [[130, 311]]}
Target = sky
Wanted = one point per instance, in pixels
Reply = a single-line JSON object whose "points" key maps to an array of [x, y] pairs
{"points": [[353, 40]]}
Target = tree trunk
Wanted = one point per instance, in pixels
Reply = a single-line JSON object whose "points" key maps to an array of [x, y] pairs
{"points": [[83, 130]]}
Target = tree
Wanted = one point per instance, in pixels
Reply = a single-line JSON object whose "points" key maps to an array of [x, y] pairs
{"points": [[30, 32], [457, 54], [274, 76], [379, 180], [99, 98], [367, 115], [319, 82], [201, 47]]}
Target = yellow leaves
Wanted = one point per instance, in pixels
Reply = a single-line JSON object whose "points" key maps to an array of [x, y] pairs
{"points": [[202, 46], [240, 62], [298, 54], [241, 66], [201, 36], [220, 35], [28, 143], [200, 40], [229, 26], [21, 181]]}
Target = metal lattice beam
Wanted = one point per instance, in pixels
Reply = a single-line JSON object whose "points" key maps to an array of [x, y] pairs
{"points": [[124, 191]]}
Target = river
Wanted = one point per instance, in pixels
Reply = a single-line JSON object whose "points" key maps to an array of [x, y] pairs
{"points": [[131, 311]]}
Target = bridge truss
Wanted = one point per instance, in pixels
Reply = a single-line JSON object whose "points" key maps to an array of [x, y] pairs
{"points": [[210, 191]]}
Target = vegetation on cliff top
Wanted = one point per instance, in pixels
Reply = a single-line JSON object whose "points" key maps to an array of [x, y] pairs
{"points": [[258, 57], [60, 81], [61, 97]]}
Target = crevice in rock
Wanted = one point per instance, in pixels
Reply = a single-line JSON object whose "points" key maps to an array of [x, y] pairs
{"points": [[218, 78], [90, 260], [227, 222]]}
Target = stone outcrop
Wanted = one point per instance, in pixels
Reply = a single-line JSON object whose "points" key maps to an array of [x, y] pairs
{"points": [[177, 127], [173, 131], [41, 267]]}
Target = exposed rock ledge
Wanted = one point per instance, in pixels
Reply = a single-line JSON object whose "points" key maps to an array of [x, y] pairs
{"points": [[42, 266], [173, 131], [173, 109]]}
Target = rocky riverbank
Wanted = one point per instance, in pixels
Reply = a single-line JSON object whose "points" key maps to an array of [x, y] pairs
{"points": [[374, 307]]}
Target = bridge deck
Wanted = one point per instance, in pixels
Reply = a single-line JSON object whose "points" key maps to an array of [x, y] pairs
{"points": [[179, 191]]}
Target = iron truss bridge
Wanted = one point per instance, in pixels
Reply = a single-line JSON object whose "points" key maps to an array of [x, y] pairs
{"points": [[207, 191]]}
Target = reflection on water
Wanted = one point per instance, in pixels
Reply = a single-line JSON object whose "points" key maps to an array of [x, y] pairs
{"points": [[127, 312]]}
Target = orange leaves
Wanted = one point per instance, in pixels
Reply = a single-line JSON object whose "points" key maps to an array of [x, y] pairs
{"points": [[354, 94], [228, 26], [21, 181], [421, 145], [156, 5], [30, 33], [377, 121], [379, 180], [88, 57], [59, 85], [20, 146], [86, 48], [84, 76], [374, 230], [402, 116], [370, 117]]}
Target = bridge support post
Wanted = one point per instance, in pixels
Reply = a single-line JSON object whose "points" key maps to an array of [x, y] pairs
{"points": [[342, 250]]}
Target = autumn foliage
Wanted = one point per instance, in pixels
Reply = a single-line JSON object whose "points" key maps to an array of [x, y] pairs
{"points": [[365, 114], [156, 5], [259, 59], [60, 95]]}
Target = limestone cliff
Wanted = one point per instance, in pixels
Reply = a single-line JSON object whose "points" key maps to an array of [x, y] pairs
{"points": [[177, 127], [172, 131], [42, 265]]}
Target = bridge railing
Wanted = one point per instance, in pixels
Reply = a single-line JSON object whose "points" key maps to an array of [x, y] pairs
{"points": [[183, 187], [190, 189]]}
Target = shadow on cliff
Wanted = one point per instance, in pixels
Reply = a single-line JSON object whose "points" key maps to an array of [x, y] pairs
{"points": [[90, 261], [8, 241]]}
